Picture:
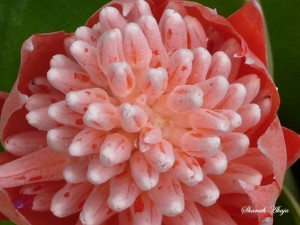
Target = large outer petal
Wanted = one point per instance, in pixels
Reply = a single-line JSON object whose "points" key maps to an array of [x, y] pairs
{"points": [[249, 22], [292, 141], [35, 57], [272, 145], [3, 97]]}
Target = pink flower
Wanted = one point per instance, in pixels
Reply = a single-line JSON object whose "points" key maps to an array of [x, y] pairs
{"points": [[155, 112]]}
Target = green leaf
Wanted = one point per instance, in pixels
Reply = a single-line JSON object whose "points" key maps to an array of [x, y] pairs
{"points": [[6, 223], [20, 19], [283, 24], [287, 201]]}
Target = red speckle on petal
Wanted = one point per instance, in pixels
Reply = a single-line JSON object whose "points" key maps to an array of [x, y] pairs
{"points": [[81, 77], [22, 177], [80, 204], [184, 68], [79, 122], [155, 52], [86, 49], [37, 178], [37, 188], [139, 205], [94, 146], [169, 34], [110, 211], [67, 195]]}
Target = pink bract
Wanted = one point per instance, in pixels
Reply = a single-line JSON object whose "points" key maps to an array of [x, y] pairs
{"points": [[154, 112]]}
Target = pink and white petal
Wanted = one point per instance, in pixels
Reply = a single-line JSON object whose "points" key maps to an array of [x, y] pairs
{"points": [[25, 143], [70, 199], [145, 212], [95, 210], [41, 165], [168, 195], [123, 192], [205, 192]]}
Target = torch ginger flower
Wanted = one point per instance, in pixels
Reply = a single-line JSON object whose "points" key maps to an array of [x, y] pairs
{"points": [[153, 113]]}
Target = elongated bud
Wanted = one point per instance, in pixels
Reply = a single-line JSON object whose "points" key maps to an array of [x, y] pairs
{"points": [[133, 117], [185, 97], [101, 116], [80, 100], [115, 149], [161, 156], [110, 48], [25, 143], [121, 79], [168, 196], [123, 192], [142, 172]]}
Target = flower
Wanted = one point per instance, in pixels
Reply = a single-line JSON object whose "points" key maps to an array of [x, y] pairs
{"points": [[152, 113]]}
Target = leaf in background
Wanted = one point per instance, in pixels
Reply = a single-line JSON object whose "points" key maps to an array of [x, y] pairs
{"points": [[287, 201], [6, 223]]}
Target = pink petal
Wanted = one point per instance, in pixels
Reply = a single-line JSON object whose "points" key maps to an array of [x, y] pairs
{"points": [[110, 48], [142, 172], [86, 34], [201, 63], [205, 192], [161, 156], [272, 145], [151, 31], [98, 173], [60, 138], [179, 67], [214, 90], [115, 149], [190, 216], [145, 212], [87, 141], [136, 49], [101, 116], [123, 192], [292, 141], [220, 65], [186, 169], [168, 196], [70, 199], [25, 143], [80, 100], [42, 165], [111, 18], [249, 22], [173, 30], [75, 171], [95, 210]]}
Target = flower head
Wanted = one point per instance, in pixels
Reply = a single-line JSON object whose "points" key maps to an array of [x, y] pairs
{"points": [[152, 113]]}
